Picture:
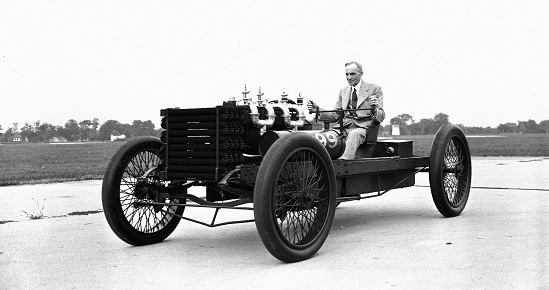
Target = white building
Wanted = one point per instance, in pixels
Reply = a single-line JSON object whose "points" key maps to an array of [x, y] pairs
{"points": [[395, 130], [115, 135]]}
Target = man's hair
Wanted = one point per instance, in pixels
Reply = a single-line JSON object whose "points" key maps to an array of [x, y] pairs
{"points": [[356, 63]]}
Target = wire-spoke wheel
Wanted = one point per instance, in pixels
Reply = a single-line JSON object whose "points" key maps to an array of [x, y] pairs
{"points": [[295, 197], [124, 190], [450, 170]]}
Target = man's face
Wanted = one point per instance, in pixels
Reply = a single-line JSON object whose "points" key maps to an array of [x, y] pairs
{"points": [[353, 74]]}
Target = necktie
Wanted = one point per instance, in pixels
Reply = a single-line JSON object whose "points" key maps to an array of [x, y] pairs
{"points": [[354, 99]]}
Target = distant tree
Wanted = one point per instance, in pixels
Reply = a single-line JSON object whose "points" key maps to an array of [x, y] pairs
{"points": [[105, 130], [544, 126], [532, 127], [71, 131], [94, 129], [396, 121], [403, 121], [140, 128], [417, 128], [430, 126], [424, 127], [480, 131], [148, 128], [28, 132], [529, 127], [126, 129], [408, 126], [441, 119], [88, 129], [136, 128], [7, 135], [95, 123], [406, 118], [507, 128], [46, 132]]}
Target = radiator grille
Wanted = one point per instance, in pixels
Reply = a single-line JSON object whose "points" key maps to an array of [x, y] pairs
{"points": [[203, 144]]}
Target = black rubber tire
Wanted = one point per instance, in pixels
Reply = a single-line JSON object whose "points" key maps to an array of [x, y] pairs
{"points": [[295, 197], [136, 225], [450, 170]]}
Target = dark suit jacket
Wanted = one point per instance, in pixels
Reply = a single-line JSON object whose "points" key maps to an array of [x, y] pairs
{"points": [[364, 118]]}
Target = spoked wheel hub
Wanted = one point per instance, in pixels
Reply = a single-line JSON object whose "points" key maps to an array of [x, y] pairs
{"points": [[143, 192]]}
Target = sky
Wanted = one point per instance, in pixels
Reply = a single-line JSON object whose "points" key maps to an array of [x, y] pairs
{"points": [[483, 63]]}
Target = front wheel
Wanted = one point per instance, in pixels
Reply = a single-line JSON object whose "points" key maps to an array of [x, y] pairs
{"points": [[295, 197], [450, 170], [135, 223]]}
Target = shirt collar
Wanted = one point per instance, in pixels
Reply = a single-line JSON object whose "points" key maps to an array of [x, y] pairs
{"points": [[357, 87]]}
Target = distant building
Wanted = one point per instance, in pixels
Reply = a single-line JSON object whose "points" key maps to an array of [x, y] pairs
{"points": [[395, 130], [115, 135], [17, 138]]}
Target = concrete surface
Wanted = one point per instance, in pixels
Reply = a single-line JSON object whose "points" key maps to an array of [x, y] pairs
{"points": [[398, 240]]}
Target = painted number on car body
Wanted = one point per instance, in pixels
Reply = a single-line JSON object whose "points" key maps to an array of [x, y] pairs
{"points": [[328, 139]]}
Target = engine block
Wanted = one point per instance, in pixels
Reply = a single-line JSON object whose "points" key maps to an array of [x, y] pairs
{"points": [[204, 144]]}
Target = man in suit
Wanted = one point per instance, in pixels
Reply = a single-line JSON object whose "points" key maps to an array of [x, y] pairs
{"points": [[358, 95]]}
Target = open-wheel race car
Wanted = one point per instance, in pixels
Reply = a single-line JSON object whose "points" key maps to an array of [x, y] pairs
{"points": [[268, 155]]}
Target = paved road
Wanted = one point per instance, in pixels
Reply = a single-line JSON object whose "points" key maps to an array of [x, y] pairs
{"points": [[398, 240]]}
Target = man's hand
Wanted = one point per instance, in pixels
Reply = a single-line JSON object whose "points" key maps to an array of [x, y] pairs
{"points": [[312, 106], [373, 101]]}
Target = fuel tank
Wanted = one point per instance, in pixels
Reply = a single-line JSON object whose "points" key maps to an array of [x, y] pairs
{"points": [[330, 139]]}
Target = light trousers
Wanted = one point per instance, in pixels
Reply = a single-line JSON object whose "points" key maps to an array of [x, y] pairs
{"points": [[355, 137]]}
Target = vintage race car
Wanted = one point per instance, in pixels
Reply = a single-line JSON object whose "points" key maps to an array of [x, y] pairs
{"points": [[267, 154]]}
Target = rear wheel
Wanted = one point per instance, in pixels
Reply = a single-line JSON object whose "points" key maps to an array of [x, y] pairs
{"points": [[134, 223], [295, 197], [450, 170]]}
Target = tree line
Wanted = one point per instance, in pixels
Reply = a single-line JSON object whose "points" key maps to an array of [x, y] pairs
{"points": [[408, 126], [90, 130], [86, 130]]}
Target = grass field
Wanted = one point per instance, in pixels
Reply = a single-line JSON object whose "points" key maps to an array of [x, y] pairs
{"points": [[495, 145], [42, 163]]}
